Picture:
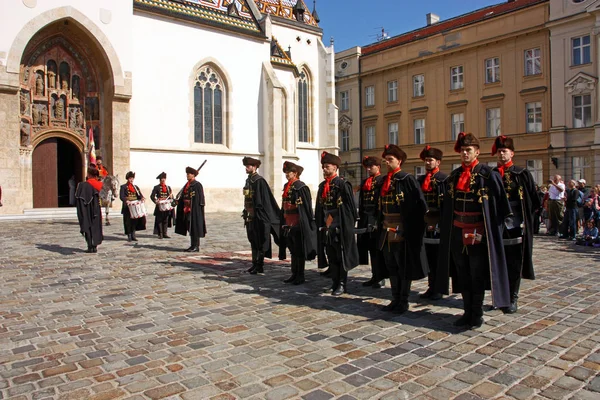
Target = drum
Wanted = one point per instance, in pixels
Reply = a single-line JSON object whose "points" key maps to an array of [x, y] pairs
{"points": [[165, 205], [137, 209]]}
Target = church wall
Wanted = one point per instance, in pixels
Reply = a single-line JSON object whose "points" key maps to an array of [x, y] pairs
{"points": [[162, 121]]}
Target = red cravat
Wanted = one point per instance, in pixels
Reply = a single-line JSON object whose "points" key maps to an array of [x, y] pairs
{"points": [[369, 183], [426, 186], [287, 187], [464, 180], [388, 182], [131, 188], [502, 168], [163, 188], [326, 187]]}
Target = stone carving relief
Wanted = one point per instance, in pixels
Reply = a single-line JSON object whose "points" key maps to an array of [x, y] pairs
{"points": [[39, 84], [25, 134], [581, 84], [344, 122], [75, 118], [24, 102], [51, 80], [59, 108]]}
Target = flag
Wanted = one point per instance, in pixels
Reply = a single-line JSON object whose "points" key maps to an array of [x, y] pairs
{"points": [[92, 147]]}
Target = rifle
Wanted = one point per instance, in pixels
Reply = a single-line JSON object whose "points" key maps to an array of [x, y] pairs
{"points": [[181, 191]]}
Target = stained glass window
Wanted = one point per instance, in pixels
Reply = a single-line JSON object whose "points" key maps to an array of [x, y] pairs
{"points": [[303, 107], [209, 91]]}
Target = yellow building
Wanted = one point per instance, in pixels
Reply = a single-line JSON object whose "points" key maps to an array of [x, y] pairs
{"points": [[485, 72]]}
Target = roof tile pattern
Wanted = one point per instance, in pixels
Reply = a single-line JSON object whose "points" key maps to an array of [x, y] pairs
{"points": [[284, 9]]}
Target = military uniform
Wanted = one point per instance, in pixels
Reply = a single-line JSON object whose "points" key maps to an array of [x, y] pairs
{"points": [[130, 192], [162, 219], [190, 211]]}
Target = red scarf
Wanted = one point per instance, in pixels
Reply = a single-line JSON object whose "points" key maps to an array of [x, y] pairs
{"points": [[464, 180], [288, 186], [502, 168], [326, 187], [163, 188], [388, 182], [96, 184], [131, 188], [426, 186], [369, 183], [187, 186]]}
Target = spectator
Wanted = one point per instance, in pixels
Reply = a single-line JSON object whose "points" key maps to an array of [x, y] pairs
{"points": [[555, 204], [589, 210], [590, 234], [572, 196], [585, 193], [537, 219]]}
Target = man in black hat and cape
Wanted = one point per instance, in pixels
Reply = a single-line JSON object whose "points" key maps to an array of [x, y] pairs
{"points": [[162, 219], [335, 216], [298, 229], [471, 249], [261, 215], [190, 211], [518, 228], [88, 210]]}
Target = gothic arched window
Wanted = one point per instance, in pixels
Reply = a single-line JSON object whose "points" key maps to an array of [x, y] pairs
{"points": [[303, 107], [209, 101]]}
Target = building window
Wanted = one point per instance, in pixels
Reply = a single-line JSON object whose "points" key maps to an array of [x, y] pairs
{"points": [[370, 137], [492, 116], [536, 169], [392, 91], [533, 62], [418, 85], [458, 124], [419, 125], [303, 107], [534, 117], [456, 77], [582, 111], [209, 99], [581, 50], [345, 140], [492, 70], [578, 166], [419, 170], [370, 96], [344, 101], [393, 133]]}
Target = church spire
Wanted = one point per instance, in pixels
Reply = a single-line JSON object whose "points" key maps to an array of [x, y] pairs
{"points": [[314, 12], [299, 11]]}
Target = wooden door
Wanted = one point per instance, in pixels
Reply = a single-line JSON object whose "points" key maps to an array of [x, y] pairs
{"points": [[45, 175]]}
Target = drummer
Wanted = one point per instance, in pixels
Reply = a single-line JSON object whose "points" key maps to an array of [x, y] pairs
{"points": [[162, 196], [129, 195]]}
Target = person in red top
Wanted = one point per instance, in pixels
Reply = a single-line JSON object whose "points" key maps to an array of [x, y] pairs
{"points": [[471, 248], [88, 210], [161, 195], [103, 172], [130, 193]]}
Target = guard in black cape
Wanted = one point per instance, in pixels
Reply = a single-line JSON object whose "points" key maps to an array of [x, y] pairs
{"points": [[128, 193], [190, 210], [162, 219], [88, 210], [433, 186], [298, 229], [368, 212], [402, 209], [471, 250], [261, 215], [335, 216], [518, 228]]}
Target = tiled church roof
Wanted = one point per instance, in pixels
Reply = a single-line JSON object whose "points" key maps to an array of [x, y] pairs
{"points": [[284, 9], [230, 14], [447, 25]]}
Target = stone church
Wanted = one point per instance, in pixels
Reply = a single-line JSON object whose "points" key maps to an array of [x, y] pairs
{"points": [[161, 84]]}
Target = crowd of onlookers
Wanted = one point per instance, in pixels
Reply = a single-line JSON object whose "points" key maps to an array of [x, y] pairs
{"points": [[568, 209]]}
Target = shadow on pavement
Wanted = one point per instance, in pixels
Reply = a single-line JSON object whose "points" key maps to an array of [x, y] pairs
{"points": [[55, 248], [314, 293]]}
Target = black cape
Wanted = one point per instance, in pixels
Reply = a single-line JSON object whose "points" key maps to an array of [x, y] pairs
{"points": [[495, 208], [300, 194], [197, 226], [140, 223], [412, 208], [348, 216], [89, 213], [266, 213], [154, 196], [439, 182], [529, 204], [368, 220]]}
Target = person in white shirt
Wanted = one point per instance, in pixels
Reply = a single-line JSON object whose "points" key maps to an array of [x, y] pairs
{"points": [[556, 189]]}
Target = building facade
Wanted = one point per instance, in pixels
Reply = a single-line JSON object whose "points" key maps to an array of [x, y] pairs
{"points": [[486, 72], [161, 85], [575, 135]]}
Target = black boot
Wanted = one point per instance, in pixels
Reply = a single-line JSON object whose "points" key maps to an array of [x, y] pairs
{"points": [[427, 294], [340, 289], [133, 236], [164, 230], [129, 237], [477, 310], [294, 271], [299, 272], [514, 295], [160, 235], [195, 245], [395, 294], [465, 319], [402, 306], [379, 284], [370, 282], [326, 273], [257, 270]]}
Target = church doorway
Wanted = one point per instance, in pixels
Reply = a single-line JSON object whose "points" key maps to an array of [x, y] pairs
{"points": [[55, 162]]}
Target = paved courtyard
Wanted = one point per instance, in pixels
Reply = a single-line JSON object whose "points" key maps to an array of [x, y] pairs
{"points": [[147, 321]]}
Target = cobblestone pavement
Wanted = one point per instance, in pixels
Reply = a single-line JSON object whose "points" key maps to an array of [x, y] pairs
{"points": [[146, 320]]}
